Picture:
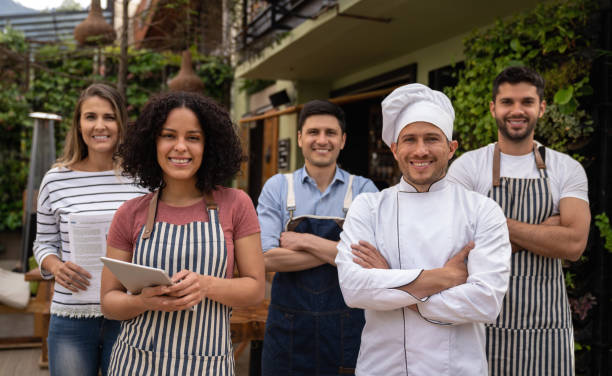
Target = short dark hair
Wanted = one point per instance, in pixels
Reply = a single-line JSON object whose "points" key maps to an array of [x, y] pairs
{"points": [[222, 147], [320, 107], [515, 75]]}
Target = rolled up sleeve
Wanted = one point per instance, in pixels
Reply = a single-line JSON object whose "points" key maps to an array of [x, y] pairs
{"points": [[270, 212]]}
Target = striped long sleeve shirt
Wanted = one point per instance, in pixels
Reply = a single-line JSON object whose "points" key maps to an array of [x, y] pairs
{"points": [[63, 192]]}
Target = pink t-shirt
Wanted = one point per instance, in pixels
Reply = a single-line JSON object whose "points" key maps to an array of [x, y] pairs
{"points": [[236, 214]]}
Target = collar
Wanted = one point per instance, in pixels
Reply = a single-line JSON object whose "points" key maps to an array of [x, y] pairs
{"points": [[439, 185], [303, 176]]}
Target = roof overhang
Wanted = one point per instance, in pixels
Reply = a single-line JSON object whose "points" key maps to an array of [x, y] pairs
{"points": [[357, 34]]}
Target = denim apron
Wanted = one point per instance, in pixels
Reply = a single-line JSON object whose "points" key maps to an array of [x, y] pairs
{"points": [[310, 330], [533, 334], [189, 342]]}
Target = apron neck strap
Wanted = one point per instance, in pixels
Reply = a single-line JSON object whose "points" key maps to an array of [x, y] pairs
{"points": [[496, 166], [538, 157], [146, 234], [151, 216], [211, 204], [348, 197], [290, 195], [496, 162]]}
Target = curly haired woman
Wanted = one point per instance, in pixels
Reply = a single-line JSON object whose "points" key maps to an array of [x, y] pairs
{"points": [[184, 147]]}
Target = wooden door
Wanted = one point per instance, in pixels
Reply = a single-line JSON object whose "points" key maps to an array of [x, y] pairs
{"points": [[242, 178], [269, 149]]}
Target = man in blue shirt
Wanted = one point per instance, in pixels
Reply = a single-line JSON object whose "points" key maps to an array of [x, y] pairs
{"points": [[309, 328]]}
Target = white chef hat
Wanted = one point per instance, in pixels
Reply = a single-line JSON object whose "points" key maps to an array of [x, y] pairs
{"points": [[412, 103]]}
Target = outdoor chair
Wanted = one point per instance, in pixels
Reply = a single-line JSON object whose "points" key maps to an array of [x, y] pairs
{"points": [[38, 306]]}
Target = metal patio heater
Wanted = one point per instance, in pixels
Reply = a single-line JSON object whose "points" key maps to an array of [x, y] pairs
{"points": [[42, 156]]}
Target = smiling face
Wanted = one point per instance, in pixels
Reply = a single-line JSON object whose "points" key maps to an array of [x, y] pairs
{"points": [[180, 146], [98, 126], [516, 110], [321, 140], [422, 153]]}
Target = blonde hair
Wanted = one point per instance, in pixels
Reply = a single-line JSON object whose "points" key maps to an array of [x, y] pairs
{"points": [[75, 149]]}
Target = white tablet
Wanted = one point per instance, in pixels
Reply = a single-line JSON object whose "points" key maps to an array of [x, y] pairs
{"points": [[136, 277]]}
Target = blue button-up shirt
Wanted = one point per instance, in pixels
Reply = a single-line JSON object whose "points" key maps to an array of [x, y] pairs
{"points": [[309, 200]]}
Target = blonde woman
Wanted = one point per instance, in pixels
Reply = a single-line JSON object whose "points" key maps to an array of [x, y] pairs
{"points": [[84, 180]]}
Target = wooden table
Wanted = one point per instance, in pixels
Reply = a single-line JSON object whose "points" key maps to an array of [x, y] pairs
{"points": [[248, 324]]}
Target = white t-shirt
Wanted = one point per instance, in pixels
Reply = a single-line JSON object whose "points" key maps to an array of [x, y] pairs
{"points": [[474, 170]]}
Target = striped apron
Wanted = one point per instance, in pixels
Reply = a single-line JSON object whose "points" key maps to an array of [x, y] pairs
{"points": [[533, 334], [184, 342]]}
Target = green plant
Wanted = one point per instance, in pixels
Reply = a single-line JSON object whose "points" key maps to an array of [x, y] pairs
{"points": [[59, 72], [15, 126], [579, 347], [570, 279], [605, 231], [253, 86], [555, 39]]}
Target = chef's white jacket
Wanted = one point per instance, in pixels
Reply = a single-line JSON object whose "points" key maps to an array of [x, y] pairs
{"points": [[416, 231]]}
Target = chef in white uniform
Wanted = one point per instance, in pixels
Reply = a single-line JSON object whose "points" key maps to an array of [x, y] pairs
{"points": [[428, 260]]}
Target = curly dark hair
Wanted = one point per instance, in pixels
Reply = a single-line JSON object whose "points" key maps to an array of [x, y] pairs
{"points": [[222, 147]]}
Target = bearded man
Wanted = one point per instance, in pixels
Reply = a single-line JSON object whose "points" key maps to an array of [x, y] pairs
{"points": [[544, 195]]}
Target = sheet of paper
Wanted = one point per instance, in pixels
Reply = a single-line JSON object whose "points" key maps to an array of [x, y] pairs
{"points": [[87, 234]]}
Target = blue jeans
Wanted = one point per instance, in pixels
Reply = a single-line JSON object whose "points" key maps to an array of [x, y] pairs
{"points": [[80, 346]]}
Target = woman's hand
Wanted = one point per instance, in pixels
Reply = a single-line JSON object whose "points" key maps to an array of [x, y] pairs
{"points": [[70, 275], [156, 299], [189, 289]]}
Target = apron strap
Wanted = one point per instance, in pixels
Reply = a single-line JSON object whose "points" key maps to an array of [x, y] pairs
{"points": [[496, 167], [348, 197], [146, 234], [537, 152], [542, 153], [290, 195], [211, 204], [151, 216]]}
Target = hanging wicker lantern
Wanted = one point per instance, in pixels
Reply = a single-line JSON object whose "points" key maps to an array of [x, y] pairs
{"points": [[94, 30], [186, 79]]}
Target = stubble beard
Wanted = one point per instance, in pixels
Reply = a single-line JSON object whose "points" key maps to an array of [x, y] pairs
{"points": [[516, 137], [321, 164], [427, 181]]}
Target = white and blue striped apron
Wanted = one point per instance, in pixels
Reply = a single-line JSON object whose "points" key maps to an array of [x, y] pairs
{"points": [[533, 334], [185, 342]]}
